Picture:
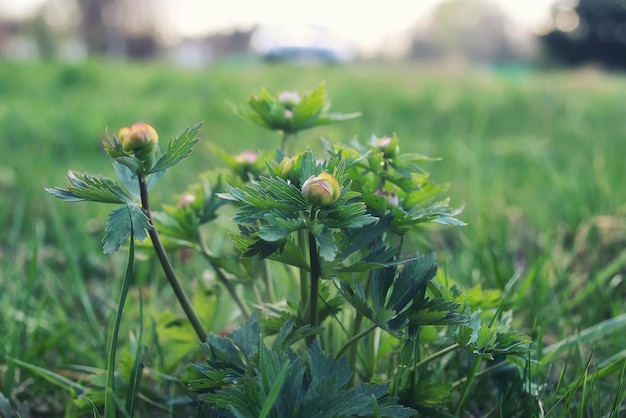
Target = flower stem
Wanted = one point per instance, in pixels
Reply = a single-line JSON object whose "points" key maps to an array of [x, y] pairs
{"points": [[354, 339], [167, 265], [315, 279], [436, 355], [314, 261], [304, 291], [206, 253], [468, 386]]}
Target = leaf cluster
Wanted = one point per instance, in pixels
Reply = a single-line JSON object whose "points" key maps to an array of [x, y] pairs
{"points": [[396, 185], [398, 298], [312, 109], [272, 208], [244, 378]]}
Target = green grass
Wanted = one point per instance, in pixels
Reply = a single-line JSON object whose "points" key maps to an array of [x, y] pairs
{"points": [[538, 159]]}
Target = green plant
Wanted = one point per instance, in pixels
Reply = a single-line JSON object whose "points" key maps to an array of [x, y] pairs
{"points": [[325, 269]]}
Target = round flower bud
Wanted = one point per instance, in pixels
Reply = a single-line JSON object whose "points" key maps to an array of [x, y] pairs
{"points": [[186, 200], [247, 158], [391, 198], [139, 138], [289, 99], [389, 146], [321, 190]]}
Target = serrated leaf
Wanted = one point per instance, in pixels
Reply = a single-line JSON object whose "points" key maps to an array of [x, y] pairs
{"points": [[326, 245], [120, 223], [178, 148], [64, 194], [85, 187], [133, 163], [131, 181], [464, 335]]}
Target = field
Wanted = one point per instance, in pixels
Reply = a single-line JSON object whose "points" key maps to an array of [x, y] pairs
{"points": [[537, 159]]}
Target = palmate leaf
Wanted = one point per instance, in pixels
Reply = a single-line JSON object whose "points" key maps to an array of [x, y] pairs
{"points": [[384, 318], [398, 297], [245, 378], [347, 215], [289, 254], [85, 187], [178, 148], [121, 222], [131, 180]]}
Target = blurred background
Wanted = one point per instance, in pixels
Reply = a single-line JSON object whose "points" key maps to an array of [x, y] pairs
{"points": [[194, 33]]}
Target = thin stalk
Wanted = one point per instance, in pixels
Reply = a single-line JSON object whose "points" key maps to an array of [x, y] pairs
{"points": [[438, 354], [269, 284], [315, 279], [304, 289], [167, 265], [468, 386], [283, 142], [354, 339], [206, 253], [356, 326]]}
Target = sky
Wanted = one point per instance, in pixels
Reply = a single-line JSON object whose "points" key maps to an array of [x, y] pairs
{"points": [[367, 24]]}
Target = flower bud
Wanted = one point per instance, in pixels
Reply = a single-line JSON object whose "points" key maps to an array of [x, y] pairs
{"points": [[389, 146], [186, 200], [139, 138], [289, 99], [321, 190], [391, 198], [247, 158]]}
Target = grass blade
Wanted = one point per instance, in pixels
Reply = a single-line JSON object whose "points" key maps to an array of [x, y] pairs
{"points": [[52, 377], [594, 332], [109, 395], [135, 379]]}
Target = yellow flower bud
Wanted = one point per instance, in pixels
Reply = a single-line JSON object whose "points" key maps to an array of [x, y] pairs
{"points": [[139, 138], [321, 190]]}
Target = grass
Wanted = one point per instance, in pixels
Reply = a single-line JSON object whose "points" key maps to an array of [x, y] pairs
{"points": [[538, 159]]}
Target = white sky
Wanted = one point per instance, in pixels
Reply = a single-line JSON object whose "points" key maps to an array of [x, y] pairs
{"points": [[367, 23]]}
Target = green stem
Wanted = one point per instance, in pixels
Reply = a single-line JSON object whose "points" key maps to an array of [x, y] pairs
{"points": [[354, 339], [468, 386], [167, 265], [283, 142], [315, 279], [356, 326], [221, 276], [269, 284], [304, 290], [436, 355], [481, 373]]}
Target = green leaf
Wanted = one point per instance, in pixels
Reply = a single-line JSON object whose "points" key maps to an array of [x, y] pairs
{"points": [[120, 224], [277, 380], [131, 162], [85, 187], [131, 180], [326, 245], [178, 148]]}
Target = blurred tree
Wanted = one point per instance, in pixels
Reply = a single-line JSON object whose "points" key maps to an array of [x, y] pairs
{"points": [[474, 30], [588, 31], [119, 27]]}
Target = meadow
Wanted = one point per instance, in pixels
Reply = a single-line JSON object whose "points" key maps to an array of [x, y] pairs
{"points": [[537, 159]]}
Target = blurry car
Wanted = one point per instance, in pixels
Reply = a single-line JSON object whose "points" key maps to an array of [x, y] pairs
{"points": [[300, 44]]}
